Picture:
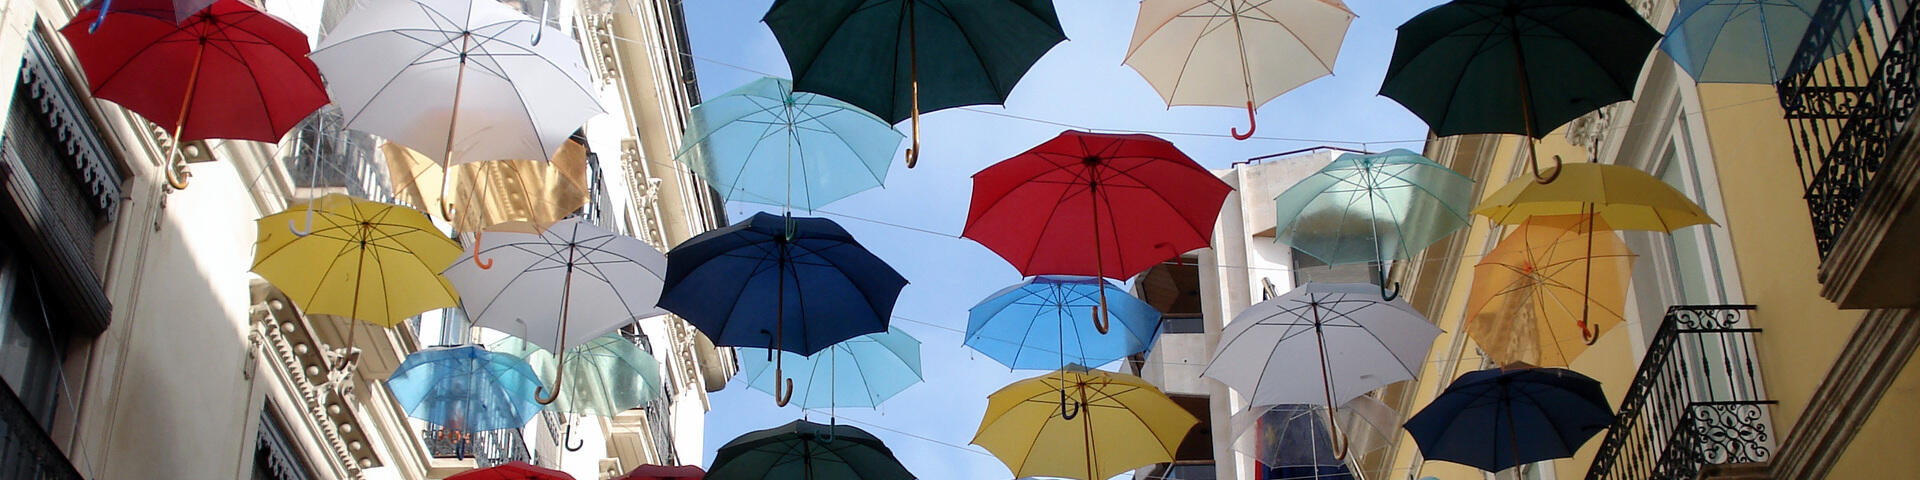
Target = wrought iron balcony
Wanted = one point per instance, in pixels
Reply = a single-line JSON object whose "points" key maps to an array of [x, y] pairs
{"points": [[1850, 94], [1696, 401], [486, 448], [26, 452]]}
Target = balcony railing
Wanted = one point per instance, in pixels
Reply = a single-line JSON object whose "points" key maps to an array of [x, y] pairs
{"points": [[26, 452], [1696, 401], [1850, 92], [485, 448]]}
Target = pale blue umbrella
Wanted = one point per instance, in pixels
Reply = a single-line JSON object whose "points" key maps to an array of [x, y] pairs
{"points": [[1737, 41], [1378, 207], [764, 143], [859, 372], [466, 388], [1046, 323]]}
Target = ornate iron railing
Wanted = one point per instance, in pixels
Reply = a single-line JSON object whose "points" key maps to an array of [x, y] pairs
{"points": [[26, 452], [487, 448], [1849, 93], [1697, 400]]}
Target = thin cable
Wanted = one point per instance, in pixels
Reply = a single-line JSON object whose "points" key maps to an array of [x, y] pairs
{"points": [[903, 432]]}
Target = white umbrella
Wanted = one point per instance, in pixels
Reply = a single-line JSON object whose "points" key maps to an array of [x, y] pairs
{"points": [[1297, 436], [1321, 342], [565, 286], [1233, 52], [458, 80]]}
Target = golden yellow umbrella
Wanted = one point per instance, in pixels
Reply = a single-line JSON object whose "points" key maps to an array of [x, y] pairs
{"points": [[1531, 295], [1079, 423], [1621, 196], [344, 256], [486, 194]]}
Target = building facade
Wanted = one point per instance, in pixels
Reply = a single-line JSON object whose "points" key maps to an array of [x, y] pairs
{"points": [[138, 345]]}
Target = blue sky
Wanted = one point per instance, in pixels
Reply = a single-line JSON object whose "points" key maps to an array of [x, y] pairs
{"points": [[914, 222]]}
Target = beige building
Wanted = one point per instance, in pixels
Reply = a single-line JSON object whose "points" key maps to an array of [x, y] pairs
{"points": [[138, 345]]}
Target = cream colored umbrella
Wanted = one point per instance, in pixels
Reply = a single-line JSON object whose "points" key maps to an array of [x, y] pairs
{"points": [[1235, 52]]}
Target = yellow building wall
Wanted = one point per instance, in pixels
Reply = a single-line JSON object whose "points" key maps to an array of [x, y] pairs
{"points": [[1884, 446], [1772, 236]]}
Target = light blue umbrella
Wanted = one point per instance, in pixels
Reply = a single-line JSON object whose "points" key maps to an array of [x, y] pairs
{"points": [[763, 143], [1373, 208], [858, 372], [466, 388], [1046, 323], [1737, 41]]}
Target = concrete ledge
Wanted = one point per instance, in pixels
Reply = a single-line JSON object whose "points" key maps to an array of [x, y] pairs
{"points": [[1872, 264], [1885, 340]]}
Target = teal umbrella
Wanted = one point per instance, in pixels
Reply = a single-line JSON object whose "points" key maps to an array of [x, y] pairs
{"points": [[1516, 66], [859, 372], [764, 143], [804, 450], [609, 374], [1737, 41], [869, 52], [1373, 208]]}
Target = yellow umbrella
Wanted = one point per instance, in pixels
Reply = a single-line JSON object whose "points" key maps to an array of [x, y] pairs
{"points": [[1531, 295], [1621, 196], [1079, 423], [344, 256]]}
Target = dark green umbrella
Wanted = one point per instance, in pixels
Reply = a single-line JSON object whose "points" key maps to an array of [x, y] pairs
{"points": [[1517, 66], [804, 450], [868, 52]]}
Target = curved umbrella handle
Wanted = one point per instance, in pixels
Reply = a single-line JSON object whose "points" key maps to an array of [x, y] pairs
{"points": [[567, 441], [177, 180], [1587, 334], [1385, 293], [559, 375], [101, 17], [1100, 312], [297, 231], [1338, 438], [781, 396], [832, 433], [1534, 162], [1065, 412], [487, 265], [1251, 125]]}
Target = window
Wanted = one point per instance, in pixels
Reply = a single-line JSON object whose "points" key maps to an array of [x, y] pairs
{"points": [[29, 350]]}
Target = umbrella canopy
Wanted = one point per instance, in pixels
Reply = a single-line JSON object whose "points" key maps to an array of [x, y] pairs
{"points": [[459, 80], [664, 472], [1373, 208], [859, 372], [1494, 419], [514, 470], [1084, 424], [1622, 197], [610, 375], [1234, 52], [466, 388], [805, 450], [1041, 324], [1737, 41], [868, 52], [788, 283], [1516, 66], [764, 143], [489, 194], [176, 11], [1321, 342], [1548, 290], [1295, 436], [1094, 204], [588, 279], [360, 259]]}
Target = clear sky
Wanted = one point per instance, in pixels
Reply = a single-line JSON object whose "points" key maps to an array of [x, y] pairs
{"points": [[914, 222]]}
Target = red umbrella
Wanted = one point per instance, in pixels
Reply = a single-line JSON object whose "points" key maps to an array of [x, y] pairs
{"points": [[171, 10], [511, 471], [663, 472], [229, 71], [1094, 204]]}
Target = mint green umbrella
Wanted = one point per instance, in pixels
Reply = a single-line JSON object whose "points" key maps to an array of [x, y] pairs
{"points": [[606, 375], [1373, 208], [764, 143]]}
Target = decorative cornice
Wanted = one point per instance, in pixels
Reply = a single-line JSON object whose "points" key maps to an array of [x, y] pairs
{"points": [[93, 163], [1868, 365], [290, 342]]}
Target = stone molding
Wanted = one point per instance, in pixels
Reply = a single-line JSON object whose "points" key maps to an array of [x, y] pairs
{"points": [[1868, 365]]}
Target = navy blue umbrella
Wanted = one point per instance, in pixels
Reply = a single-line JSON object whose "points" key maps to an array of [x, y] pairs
{"points": [[784, 283], [1495, 419]]}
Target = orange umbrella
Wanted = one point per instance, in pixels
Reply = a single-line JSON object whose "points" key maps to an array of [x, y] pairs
{"points": [[523, 196], [1548, 289]]}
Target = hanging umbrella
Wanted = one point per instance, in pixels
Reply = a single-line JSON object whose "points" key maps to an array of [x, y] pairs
{"points": [[785, 283], [662, 472], [514, 470], [1737, 41], [1294, 438], [1361, 342], [176, 11], [466, 388], [1080, 423], [1094, 204], [228, 71], [589, 280], [804, 450], [1037, 324], [459, 80], [764, 143], [867, 52], [610, 374], [1373, 208], [489, 194], [1522, 307], [376, 262], [1495, 419], [859, 372], [1517, 66], [1225, 53]]}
